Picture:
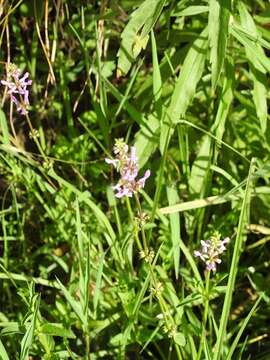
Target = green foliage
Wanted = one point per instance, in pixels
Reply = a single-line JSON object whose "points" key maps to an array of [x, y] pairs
{"points": [[85, 275]]}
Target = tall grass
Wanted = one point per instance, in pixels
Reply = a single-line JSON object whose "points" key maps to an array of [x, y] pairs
{"points": [[87, 275]]}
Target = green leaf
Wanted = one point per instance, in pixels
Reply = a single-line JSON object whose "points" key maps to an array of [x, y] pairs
{"points": [[3, 353], [200, 167], [192, 10], [199, 203], [132, 42], [179, 339], [27, 340], [185, 86], [75, 305], [146, 139], [237, 249], [218, 22], [257, 70], [173, 198], [157, 81], [97, 292], [251, 44], [56, 329], [202, 163], [4, 128], [242, 328], [225, 100]]}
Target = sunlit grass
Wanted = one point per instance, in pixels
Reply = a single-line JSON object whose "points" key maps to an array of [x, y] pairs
{"points": [[118, 252]]}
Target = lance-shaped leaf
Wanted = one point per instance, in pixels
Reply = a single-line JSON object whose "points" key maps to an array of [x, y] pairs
{"points": [[133, 41], [256, 68], [218, 23], [185, 86]]}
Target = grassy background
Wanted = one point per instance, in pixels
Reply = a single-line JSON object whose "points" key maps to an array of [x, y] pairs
{"points": [[187, 83]]}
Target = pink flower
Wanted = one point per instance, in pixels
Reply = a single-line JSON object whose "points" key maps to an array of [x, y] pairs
{"points": [[17, 88], [127, 166], [210, 251]]}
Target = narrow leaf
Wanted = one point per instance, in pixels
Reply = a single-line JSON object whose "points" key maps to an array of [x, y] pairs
{"points": [[185, 86], [132, 41], [257, 70], [29, 335], [175, 228], [218, 22], [243, 221]]}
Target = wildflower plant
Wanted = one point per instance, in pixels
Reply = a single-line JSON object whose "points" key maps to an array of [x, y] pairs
{"points": [[115, 273], [17, 88], [211, 250], [126, 164]]}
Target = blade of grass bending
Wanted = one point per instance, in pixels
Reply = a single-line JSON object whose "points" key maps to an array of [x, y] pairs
{"points": [[234, 265], [242, 328], [13, 277], [196, 204]]}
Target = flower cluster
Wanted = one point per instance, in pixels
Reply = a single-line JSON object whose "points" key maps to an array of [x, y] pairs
{"points": [[210, 251], [127, 165], [17, 88]]}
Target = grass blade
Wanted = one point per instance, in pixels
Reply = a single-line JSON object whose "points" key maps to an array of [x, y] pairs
{"points": [[175, 228], [242, 328], [218, 22], [185, 87], [3, 353], [29, 335], [218, 354]]}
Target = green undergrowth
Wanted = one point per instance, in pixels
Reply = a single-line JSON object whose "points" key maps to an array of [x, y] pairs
{"points": [[87, 275]]}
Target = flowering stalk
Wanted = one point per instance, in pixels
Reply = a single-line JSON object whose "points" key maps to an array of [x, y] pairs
{"points": [[205, 314], [127, 165], [19, 95], [17, 88], [210, 251]]}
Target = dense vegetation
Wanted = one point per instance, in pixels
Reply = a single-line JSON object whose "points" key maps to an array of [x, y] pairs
{"points": [[175, 266]]}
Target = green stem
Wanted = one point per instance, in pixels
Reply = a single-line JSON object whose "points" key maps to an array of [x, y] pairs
{"points": [[159, 182], [142, 227], [118, 221], [205, 314], [131, 216]]}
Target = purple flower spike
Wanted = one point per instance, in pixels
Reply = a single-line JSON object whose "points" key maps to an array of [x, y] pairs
{"points": [[127, 165], [18, 86], [210, 251]]}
